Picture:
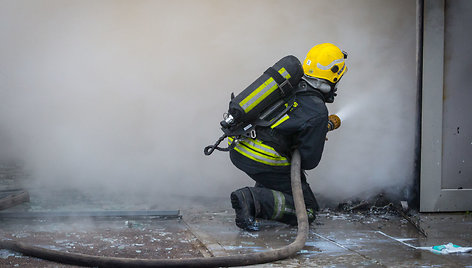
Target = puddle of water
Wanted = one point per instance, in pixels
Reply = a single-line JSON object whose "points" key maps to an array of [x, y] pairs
{"points": [[326, 246], [4, 254]]}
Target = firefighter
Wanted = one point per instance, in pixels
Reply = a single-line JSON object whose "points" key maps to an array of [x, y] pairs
{"points": [[266, 158]]}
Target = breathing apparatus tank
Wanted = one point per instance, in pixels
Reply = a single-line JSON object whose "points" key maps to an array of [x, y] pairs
{"points": [[262, 102]]}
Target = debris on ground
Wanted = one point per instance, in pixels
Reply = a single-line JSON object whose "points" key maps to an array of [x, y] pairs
{"points": [[381, 205], [13, 197], [448, 249]]}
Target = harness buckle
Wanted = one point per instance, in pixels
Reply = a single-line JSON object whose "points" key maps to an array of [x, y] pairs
{"points": [[283, 84]]}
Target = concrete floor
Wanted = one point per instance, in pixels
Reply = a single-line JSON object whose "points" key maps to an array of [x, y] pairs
{"points": [[342, 239], [335, 239]]}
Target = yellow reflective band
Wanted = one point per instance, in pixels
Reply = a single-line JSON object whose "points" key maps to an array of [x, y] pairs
{"points": [[262, 92], [279, 205], [260, 148], [280, 121], [258, 95], [284, 73], [262, 154], [252, 150], [261, 159]]}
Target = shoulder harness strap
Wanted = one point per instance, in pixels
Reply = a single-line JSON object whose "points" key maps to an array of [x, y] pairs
{"points": [[283, 84]]}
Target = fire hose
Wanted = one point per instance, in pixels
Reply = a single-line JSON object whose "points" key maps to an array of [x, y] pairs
{"points": [[234, 260]]}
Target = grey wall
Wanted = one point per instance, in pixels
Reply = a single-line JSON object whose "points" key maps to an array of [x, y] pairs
{"points": [[122, 96]]}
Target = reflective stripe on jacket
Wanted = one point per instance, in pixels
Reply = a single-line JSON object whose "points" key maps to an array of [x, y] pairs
{"points": [[303, 128], [256, 150]]}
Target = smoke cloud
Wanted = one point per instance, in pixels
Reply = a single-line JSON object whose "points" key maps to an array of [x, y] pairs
{"points": [[122, 96]]}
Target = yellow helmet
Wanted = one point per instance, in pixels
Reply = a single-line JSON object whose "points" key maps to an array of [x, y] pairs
{"points": [[325, 61]]}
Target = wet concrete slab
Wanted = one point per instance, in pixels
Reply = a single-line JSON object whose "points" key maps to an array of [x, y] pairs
{"points": [[320, 249], [336, 239], [116, 237], [344, 239]]}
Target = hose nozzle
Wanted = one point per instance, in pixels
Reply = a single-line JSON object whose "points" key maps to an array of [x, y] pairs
{"points": [[334, 122]]}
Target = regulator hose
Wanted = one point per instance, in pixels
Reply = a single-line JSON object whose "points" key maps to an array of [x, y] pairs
{"points": [[210, 148], [234, 260]]}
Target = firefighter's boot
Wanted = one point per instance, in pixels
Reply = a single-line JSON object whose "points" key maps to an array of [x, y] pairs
{"points": [[243, 204]]}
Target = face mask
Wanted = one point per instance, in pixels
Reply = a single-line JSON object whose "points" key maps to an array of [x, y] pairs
{"points": [[319, 84], [329, 97]]}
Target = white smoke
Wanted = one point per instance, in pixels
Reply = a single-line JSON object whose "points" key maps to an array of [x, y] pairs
{"points": [[122, 96]]}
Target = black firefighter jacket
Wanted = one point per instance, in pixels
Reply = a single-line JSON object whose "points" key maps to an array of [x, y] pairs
{"points": [[304, 127]]}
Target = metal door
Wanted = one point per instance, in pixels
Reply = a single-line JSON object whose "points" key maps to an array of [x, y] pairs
{"points": [[446, 147]]}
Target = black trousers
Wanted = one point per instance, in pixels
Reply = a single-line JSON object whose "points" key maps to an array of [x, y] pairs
{"points": [[272, 193], [273, 197]]}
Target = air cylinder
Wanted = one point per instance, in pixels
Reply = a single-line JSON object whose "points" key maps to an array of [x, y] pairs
{"points": [[275, 83]]}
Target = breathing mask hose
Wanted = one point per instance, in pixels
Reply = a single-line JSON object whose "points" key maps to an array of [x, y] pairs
{"points": [[235, 260], [210, 148]]}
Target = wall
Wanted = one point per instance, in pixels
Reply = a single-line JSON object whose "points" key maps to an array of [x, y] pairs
{"points": [[122, 96]]}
